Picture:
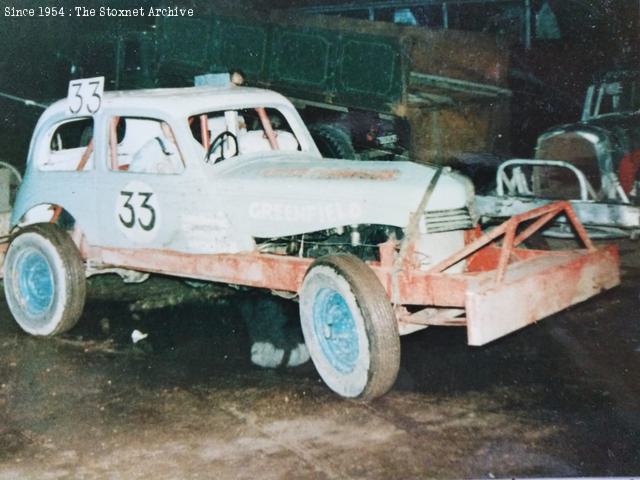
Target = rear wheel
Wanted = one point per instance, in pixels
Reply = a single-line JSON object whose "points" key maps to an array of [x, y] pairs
{"points": [[44, 280], [349, 327]]}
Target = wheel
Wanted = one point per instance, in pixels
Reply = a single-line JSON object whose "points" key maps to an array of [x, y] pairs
{"points": [[44, 280], [332, 140], [349, 327]]}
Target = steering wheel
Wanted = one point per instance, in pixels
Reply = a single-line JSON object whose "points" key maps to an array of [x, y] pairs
{"points": [[220, 141]]}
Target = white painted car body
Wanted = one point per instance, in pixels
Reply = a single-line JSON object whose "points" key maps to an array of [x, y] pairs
{"points": [[224, 207], [223, 222]]}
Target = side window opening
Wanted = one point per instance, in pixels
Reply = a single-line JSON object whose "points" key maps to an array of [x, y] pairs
{"points": [[70, 147], [617, 97], [255, 136], [629, 98], [143, 145], [606, 102]]}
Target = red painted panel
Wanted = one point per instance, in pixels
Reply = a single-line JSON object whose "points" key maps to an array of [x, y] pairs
{"points": [[536, 288]]}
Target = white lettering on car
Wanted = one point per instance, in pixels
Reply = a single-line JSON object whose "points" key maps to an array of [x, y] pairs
{"points": [[288, 212]]}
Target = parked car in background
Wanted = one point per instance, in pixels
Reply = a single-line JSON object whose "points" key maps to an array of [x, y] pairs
{"points": [[594, 162]]}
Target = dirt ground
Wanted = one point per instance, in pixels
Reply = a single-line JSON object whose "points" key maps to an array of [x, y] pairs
{"points": [[560, 398]]}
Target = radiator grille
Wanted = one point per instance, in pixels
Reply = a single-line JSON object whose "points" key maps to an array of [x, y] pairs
{"points": [[447, 220]]}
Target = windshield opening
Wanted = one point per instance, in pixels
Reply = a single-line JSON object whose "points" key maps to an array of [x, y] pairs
{"points": [[229, 133], [618, 97]]}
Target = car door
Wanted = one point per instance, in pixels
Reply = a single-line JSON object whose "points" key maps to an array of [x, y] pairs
{"points": [[60, 177], [143, 197]]}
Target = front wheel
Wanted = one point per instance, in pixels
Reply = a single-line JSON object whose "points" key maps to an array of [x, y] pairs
{"points": [[349, 327], [44, 280]]}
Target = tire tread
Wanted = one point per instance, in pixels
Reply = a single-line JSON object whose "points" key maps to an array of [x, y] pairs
{"points": [[74, 272], [375, 305], [336, 137]]}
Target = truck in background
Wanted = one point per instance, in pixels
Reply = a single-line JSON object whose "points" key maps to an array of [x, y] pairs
{"points": [[366, 89]]}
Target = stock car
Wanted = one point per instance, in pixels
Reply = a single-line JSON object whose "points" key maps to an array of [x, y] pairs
{"points": [[225, 184]]}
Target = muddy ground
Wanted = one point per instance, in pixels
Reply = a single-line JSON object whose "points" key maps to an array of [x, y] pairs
{"points": [[560, 398]]}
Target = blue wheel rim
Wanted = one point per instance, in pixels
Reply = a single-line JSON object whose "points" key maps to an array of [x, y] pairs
{"points": [[335, 329], [35, 282]]}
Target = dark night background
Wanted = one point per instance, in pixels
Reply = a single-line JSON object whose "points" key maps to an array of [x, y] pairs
{"points": [[549, 79], [559, 399]]}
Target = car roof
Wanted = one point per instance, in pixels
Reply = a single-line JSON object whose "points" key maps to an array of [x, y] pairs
{"points": [[183, 101]]}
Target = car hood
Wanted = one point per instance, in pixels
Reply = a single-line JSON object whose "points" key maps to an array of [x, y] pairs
{"points": [[276, 194]]}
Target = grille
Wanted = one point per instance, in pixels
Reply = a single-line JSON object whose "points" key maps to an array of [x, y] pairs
{"points": [[554, 182], [447, 220]]}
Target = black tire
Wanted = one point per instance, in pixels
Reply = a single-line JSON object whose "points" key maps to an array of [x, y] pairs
{"points": [[349, 327], [332, 140], [44, 280]]}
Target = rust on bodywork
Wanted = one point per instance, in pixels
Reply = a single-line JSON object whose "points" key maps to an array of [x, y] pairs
{"points": [[441, 136], [540, 216], [332, 174], [535, 289], [503, 288], [277, 272]]}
